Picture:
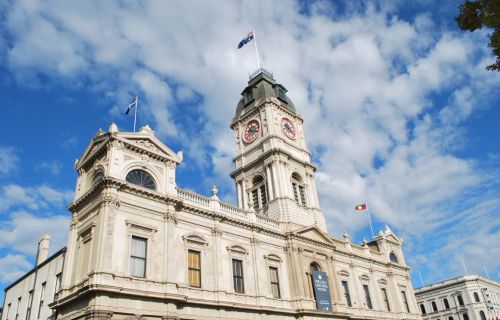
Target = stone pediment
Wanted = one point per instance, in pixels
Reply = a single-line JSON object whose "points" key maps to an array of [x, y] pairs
{"points": [[392, 238], [314, 234], [144, 142]]}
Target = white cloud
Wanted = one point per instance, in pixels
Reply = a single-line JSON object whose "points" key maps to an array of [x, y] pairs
{"points": [[23, 231], [365, 80], [13, 267], [40, 197], [54, 167], [8, 161]]}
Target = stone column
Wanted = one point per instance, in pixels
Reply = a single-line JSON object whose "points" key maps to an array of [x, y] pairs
{"points": [[276, 179]]}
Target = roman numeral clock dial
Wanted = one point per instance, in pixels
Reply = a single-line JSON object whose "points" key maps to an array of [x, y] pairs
{"points": [[288, 128], [251, 131]]}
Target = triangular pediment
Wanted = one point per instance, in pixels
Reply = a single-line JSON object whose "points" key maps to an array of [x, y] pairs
{"points": [[313, 233], [144, 142], [150, 144], [392, 238]]}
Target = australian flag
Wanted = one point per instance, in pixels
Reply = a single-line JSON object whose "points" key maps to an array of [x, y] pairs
{"points": [[246, 40], [132, 105]]}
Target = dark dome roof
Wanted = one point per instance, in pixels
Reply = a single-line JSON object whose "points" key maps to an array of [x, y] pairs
{"points": [[260, 86]]}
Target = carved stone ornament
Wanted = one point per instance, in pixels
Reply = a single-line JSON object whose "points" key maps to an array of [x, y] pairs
{"points": [[147, 145], [170, 217], [255, 241], [216, 231], [107, 200]]}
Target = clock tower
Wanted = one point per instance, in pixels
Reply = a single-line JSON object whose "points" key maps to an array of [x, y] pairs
{"points": [[274, 175]]}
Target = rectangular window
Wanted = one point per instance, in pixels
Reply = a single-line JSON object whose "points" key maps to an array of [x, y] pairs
{"points": [[295, 192], [263, 196], [194, 269], [367, 297], [17, 307], [30, 302], [42, 294], [8, 311], [405, 301], [57, 285], [347, 296], [238, 276], [255, 199], [302, 195], [275, 282], [138, 257], [386, 299]]}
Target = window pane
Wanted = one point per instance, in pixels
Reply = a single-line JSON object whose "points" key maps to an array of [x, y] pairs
{"points": [[302, 195], [255, 200], [194, 269], [275, 288], [138, 257], [386, 299], [138, 247], [367, 296], [346, 293], [238, 276]]}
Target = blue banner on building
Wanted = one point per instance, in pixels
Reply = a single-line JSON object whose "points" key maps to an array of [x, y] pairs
{"points": [[321, 290]]}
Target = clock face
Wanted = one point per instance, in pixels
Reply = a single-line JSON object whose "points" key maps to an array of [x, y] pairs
{"points": [[251, 131], [288, 128]]}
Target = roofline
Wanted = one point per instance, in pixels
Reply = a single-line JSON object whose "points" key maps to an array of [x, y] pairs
{"points": [[451, 282], [27, 274]]}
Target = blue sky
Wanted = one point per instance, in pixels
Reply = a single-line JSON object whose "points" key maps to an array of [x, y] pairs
{"points": [[399, 112]]}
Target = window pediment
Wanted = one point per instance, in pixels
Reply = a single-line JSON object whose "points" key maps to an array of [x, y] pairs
{"points": [[237, 250], [344, 273], [195, 239], [273, 257]]}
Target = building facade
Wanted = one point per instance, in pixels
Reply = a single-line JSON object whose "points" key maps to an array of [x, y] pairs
{"points": [[29, 297], [463, 298], [140, 246]]}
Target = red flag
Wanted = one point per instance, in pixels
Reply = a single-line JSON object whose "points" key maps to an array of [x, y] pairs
{"points": [[360, 207]]}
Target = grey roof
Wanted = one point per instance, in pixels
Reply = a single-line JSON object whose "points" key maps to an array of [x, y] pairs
{"points": [[262, 85]]}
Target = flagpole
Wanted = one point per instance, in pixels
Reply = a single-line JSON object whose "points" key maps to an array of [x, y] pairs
{"points": [[370, 220], [135, 111], [421, 280], [256, 50], [463, 264]]}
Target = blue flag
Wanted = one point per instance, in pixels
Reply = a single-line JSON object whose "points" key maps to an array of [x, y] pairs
{"points": [[246, 40]]}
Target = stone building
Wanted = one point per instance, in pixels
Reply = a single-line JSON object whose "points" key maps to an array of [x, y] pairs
{"points": [[140, 246], [463, 298], [29, 297]]}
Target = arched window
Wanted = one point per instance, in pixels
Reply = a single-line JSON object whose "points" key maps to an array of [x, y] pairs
{"points": [[422, 309], [482, 315], [446, 303], [434, 306], [393, 257], [299, 190], [476, 297], [450, 318], [460, 300], [141, 178], [259, 193], [466, 316], [97, 177]]}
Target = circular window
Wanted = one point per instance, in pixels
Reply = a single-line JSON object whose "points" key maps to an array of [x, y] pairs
{"points": [[141, 178]]}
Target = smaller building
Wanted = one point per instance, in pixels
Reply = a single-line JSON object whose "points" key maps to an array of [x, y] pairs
{"points": [[29, 297], [463, 298]]}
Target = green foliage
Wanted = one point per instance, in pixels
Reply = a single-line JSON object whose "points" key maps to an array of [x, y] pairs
{"points": [[483, 14]]}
